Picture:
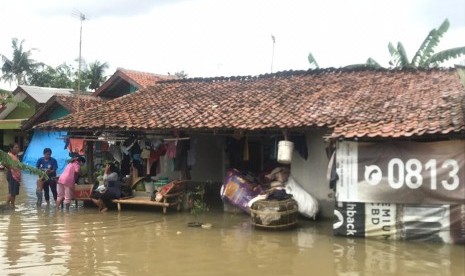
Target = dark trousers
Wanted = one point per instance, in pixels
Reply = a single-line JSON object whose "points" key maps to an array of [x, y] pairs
{"points": [[53, 187]]}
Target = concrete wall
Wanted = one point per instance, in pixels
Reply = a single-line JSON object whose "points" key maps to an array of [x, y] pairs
{"points": [[311, 173], [9, 136], [23, 112]]}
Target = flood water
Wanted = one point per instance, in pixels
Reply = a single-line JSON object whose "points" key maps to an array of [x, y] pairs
{"points": [[146, 242]]}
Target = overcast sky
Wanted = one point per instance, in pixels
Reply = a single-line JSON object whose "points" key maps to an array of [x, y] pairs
{"points": [[208, 38]]}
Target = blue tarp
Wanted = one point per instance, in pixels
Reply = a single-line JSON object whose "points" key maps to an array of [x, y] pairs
{"points": [[46, 139]]}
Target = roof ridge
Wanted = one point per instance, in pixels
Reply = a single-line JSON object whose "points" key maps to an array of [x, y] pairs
{"points": [[42, 87], [121, 69], [287, 73]]}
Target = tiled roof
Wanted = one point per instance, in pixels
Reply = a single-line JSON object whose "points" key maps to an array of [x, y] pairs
{"points": [[355, 103], [135, 78], [72, 103], [144, 79], [79, 102]]}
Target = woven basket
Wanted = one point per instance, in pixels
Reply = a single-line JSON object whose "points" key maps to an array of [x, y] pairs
{"points": [[274, 214]]}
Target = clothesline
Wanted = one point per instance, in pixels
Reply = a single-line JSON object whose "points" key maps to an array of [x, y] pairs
{"points": [[94, 139], [105, 139], [175, 139]]}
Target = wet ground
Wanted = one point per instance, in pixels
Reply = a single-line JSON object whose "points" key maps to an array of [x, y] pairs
{"points": [[146, 242]]}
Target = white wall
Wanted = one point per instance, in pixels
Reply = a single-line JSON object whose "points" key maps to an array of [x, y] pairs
{"points": [[311, 173]]}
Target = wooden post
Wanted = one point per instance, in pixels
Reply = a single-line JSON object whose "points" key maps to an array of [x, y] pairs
{"points": [[90, 161]]}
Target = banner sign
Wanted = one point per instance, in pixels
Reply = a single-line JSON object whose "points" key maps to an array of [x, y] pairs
{"points": [[435, 223], [401, 172]]}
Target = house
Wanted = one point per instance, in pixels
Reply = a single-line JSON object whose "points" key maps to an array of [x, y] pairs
{"points": [[327, 108], [122, 82], [60, 105], [125, 81], [56, 107], [12, 116]]}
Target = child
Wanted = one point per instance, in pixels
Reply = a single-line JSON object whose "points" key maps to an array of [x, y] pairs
{"points": [[67, 180]]}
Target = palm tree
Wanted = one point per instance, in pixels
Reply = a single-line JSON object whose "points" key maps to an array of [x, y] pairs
{"points": [[20, 66], [96, 74], [425, 57]]}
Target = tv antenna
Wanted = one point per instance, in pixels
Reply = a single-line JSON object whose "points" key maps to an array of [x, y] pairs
{"points": [[82, 17], [272, 52]]}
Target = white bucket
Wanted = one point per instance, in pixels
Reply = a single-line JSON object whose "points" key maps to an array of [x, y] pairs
{"points": [[149, 187], [285, 149]]}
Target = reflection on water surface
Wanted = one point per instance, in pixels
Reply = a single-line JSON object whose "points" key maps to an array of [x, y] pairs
{"points": [[146, 242]]}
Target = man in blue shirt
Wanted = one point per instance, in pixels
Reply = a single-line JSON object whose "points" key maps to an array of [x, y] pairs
{"points": [[49, 165]]}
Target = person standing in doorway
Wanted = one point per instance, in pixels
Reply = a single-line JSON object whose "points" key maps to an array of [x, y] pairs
{"points": [[49, 165], [13, 176], [67, 180]]}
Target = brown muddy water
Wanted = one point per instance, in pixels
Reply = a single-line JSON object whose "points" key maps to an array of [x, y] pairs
{"points": [[146, 242]]}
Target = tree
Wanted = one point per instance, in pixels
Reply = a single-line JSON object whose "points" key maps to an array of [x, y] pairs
{"points": [[369, 64], [312, 61], [6, 161], [60, 77], [425, 57], [180, 74], [20, 66], [95, 73], [65, 76]]}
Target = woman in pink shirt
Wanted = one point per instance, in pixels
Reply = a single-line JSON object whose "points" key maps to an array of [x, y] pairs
{"points": [[67, 180]]}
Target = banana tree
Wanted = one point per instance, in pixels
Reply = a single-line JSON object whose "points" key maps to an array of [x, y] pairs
{"points": [[425, 56], [6, 161], [312, 61]]}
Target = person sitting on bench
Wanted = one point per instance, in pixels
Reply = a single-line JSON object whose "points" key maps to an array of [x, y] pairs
{"points": [[111, 188]]}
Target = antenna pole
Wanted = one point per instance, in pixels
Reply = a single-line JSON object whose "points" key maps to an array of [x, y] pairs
{"points": [[82, 17], [272, 53]]}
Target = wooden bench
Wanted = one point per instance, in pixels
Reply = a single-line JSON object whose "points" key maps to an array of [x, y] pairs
{"points": [[171, 195]]}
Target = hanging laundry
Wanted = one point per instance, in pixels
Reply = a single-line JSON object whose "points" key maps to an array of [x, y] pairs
{"points": [[116, 153], [102, 146], [155, 156], [76, 146], [171, 149], [128, 144]]}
